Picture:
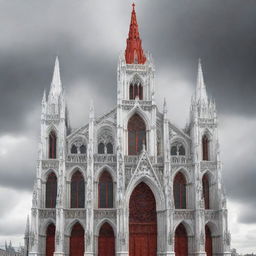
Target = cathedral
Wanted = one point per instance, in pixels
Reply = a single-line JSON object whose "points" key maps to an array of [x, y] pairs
{"points": [[129, 182]]}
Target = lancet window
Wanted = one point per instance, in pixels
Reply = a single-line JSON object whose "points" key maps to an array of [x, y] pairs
{"points": [[77, 190], [178, 149], [205, 146], [105, 191], [51, 191], [52, 144], [179, 191], [136, 89], [105, 141], [136, 135], [206, 191]]}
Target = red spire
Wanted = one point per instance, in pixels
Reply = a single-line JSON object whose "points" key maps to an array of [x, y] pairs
{"points": [[134, 52]]}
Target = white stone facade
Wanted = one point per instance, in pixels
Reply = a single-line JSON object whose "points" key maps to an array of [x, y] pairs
{"points": [[155, 166]]}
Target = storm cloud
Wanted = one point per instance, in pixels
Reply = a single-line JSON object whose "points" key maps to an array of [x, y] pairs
{"points": [[88, 36]]}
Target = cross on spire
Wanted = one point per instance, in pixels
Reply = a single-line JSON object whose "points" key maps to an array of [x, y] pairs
{"points": [[134, 52]]}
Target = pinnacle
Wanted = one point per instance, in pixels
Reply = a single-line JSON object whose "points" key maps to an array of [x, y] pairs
{"points": [[201, 94], [56, 86]]}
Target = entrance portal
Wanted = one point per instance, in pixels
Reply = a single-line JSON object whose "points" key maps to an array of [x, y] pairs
{"points": [[142, 222], [77, 241], [181, 241], [106, 241]]}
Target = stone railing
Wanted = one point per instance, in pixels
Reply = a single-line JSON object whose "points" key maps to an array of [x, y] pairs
{"points": [[211, 165], [211, 214], [138, 67], [77, 158], [131, 159], [47, 213], [75, 213], [50, 164], [98, 158], [179, 160], [52, 116], [184, 214], [105, 213], [142, 102]]}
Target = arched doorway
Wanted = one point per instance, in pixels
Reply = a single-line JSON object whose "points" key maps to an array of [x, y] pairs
{"points": [[136, 134], [142, 222], [208, 241], [50, 240], [181, 241], [106, 241], [76, 246]]}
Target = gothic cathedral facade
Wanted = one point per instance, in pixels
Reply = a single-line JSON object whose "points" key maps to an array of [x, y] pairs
{"points": [[129, 182]]}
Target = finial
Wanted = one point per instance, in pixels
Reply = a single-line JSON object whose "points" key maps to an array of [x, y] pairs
{"points": [[133, 6], [165, 106]]}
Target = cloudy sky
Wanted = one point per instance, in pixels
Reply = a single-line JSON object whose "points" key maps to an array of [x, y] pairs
{"points": [[88, 36]]}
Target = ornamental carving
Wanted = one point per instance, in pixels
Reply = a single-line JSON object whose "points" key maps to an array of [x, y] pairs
{"points": [[73, 214], [108, 214], [227, 238], [184, 214], [211, 215], [47, 213], [50, 164]]}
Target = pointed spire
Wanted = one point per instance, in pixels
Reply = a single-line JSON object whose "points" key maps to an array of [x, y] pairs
{"points": [[27, 227], [201, 94], [91, 115], [165, 106], [134, 52], [44, 98], [56, 87]]}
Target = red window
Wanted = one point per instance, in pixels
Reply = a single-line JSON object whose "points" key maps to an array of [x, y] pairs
{"points": [[50, 240], [105, 191], [208, 241], [181, 241], [179, 191], [136, 135], [52, 144], [77, 190], [206, 191], [205, 145], [135, 90], [106, 242], [76, 245], [51, 191]]}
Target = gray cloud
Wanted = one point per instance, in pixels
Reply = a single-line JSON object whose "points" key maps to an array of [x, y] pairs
{"points": [[88, 36]]}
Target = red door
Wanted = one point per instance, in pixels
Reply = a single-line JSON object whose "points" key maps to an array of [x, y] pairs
{"points": [[77, 241], [142, 222], [106, 242], [50, 240], [181, 241], [208, 241]]}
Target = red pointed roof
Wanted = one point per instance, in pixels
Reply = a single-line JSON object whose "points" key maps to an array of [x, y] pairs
{"points": [[134, 52]]}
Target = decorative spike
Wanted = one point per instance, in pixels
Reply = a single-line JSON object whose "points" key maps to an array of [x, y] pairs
{"points": [[91, 116], [44, 98], [165, 106], [56, 87], [134, 52], [201, 95], [27, 227]]}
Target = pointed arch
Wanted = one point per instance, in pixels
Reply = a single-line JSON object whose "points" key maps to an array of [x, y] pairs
{"points": [[136, 134], [206, 190], [77, 190], [51, 190], [180, 191], [76, 243], [52, 144], [106, 240], [181, 241], [50, 240], [105, 190], [208, 241], [142, 221]]}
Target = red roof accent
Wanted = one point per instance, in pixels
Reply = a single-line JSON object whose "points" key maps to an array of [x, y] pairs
{"points": [[134, 52]]}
